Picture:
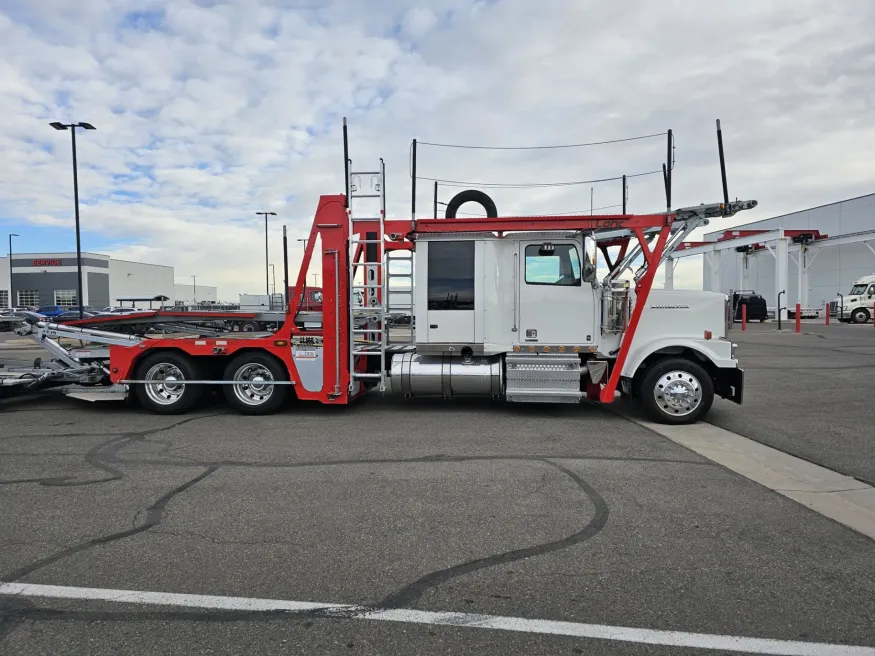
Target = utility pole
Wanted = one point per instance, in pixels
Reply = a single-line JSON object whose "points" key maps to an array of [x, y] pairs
{"points": [[266, 256], [194, 290], [12, 302], [72, 126]]}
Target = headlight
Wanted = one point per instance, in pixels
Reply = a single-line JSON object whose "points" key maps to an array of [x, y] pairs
{"points": [[732, 350]]}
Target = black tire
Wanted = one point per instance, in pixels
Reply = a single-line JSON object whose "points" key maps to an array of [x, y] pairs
{"points": [[255, 399], [175, 401], [471, 196], [690, 375], [249, 327], [860, 315]]}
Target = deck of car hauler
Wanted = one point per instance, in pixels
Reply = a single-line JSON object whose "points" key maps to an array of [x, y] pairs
{"points": [[487, 343]]}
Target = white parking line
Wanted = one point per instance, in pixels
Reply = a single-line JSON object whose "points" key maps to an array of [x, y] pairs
{"points": [[834, 495], [464, 620]]}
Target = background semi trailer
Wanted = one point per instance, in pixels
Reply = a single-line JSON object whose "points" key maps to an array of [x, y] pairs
{"points": [[507, 307]]}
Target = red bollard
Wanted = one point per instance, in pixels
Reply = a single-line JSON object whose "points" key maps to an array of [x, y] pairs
{"points": [[798, 318], [743, 317], [827, 314]]}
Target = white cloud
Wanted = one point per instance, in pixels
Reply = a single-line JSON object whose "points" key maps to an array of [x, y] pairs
{"points": [[206, 114]]}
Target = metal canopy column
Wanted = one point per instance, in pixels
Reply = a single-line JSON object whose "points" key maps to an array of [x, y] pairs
{"points": [[740, 263], [782, 245], [716, 259], [669, 273]]}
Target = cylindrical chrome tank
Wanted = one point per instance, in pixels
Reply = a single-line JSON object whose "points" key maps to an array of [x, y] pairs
{"points": [[435, 375]]}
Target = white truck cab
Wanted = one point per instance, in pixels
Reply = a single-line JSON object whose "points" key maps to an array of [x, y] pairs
{"points": [[857, 304], [524, 316]]}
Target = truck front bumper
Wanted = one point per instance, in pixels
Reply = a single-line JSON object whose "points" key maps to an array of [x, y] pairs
{"points": [[730, 384]]}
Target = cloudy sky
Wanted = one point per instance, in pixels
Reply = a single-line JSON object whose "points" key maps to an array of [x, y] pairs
{"points": [[207, 112]]}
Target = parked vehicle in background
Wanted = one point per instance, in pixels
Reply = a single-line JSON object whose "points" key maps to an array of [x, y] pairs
{"points": [[312, 299], [51, 310], [119, 310], [756, 306], [65, 317], [857, 304]]}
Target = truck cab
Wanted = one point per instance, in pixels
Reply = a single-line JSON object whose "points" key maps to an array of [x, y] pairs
{"points": [[525, 317], [857, 304]]}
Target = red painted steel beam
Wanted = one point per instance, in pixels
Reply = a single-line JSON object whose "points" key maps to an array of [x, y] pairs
{"points": [[642, 292]]}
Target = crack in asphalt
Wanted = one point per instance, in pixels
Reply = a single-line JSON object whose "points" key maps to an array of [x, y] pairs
{"points": [[106, 457], [154, 517], [102, 455], [413, 591]]}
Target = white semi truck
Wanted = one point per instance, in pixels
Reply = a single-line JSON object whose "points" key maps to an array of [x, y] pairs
{"points": [[857, 305]]}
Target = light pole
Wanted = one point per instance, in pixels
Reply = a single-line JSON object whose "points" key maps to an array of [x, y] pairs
{"points": [[315, 279], [194, 290], [72, 127], [266, 275], [273, 278], [12, 303]]}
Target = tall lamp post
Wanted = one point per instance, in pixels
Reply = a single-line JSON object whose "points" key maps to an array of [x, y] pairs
{"points": [[12, 302], [273, 278], [266, 257], [194, 290], [72, 127]]}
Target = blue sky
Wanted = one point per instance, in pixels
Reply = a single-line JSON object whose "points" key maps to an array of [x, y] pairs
{"points": [[207, 112]]}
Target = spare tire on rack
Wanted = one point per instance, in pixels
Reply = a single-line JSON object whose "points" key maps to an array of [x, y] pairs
{"points": [[471, 196]]}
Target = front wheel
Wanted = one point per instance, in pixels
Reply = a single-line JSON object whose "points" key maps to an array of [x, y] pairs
{"points": [[860, 315], [676, 391], [252, 391], [166, 392]]}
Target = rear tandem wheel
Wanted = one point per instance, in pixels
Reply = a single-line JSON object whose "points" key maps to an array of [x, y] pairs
{"points": [[257, 395], [167, 393]]}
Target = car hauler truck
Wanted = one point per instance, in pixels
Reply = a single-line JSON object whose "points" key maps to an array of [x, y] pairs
{"points": [[502, 307]]}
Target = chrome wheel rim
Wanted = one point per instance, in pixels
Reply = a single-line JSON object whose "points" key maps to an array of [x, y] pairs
{"points": [[678, 393], [167, 387], [258, 386]]}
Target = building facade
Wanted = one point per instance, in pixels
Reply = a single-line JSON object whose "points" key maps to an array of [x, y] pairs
{"points": [[844, 252], [191, 293], [39, 279]]}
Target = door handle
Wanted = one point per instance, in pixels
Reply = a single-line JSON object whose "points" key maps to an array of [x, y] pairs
{"points": [[434, 325]]}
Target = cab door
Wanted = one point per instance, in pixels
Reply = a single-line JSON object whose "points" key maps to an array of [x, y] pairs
{"points": [[556, 303]]}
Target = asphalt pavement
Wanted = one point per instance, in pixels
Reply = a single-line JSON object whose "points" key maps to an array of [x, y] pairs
{"points": [[564, 513], [808, 394]]}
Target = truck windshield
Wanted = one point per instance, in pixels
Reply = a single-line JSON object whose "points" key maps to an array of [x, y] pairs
{"points": [[858, 289]]}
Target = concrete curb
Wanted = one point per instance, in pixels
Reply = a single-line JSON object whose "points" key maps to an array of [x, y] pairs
{"points": [[839, 497]]}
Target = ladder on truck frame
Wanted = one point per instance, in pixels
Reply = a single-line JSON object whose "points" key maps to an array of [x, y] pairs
{"points": [[367, 323]]}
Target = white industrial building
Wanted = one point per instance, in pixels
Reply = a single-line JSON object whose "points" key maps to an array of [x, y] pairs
{"points": [[191, 293], [39, 279], [812, 255]]}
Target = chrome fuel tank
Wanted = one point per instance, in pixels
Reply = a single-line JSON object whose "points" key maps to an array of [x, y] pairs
{"points": [[434, 375]]}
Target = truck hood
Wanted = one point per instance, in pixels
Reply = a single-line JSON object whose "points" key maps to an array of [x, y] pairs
{"points": [[684, 312]]}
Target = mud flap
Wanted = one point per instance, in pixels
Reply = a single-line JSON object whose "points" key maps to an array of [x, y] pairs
{"points": [[730, 384]]}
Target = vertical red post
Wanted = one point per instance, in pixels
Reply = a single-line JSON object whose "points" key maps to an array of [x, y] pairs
{"points": [[743, 317], [826, 314], [798, 318]]}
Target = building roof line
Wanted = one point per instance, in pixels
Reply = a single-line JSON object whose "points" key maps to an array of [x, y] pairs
{"points": [[743, 226]]}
